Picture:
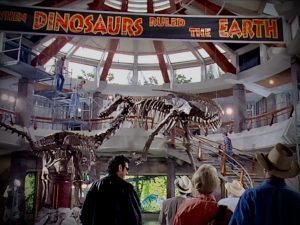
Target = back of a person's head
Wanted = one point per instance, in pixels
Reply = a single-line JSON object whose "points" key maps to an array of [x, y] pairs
{"points": [[205, 179], [114, 163]]}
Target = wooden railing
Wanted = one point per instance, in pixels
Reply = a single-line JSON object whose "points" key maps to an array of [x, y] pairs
{"points": [[201, 145], [262, 119], [226, 160], [256, 121]]}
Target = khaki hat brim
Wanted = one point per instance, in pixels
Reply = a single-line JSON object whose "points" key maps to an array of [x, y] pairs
{"points": [[264, 162], [234, 191]]}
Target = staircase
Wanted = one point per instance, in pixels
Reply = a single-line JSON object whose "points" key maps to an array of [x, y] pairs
{"points": [[243, 162]]}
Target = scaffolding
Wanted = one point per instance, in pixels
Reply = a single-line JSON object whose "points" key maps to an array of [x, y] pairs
{"points": [[15, 60]]}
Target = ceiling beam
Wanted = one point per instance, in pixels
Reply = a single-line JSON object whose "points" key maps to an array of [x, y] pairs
{"points": [[213, 9], [113, 45], [60, 41], [50, 51], [210, 8], [159, 48], [158, 45], [54, 48], [218, 57]]}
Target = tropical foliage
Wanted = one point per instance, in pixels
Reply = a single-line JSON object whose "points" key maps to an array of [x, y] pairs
{"points": [[30, 181], [151, 191], [181, 79]]}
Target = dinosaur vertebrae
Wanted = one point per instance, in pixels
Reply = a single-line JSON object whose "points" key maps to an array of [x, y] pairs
{"points": [[205, 118], [205, 112]]}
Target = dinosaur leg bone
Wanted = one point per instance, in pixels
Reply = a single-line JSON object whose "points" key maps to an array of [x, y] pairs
{"points": [[170, 116], [188, 143]]}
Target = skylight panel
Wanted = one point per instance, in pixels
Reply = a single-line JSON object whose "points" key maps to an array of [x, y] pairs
{"points": [[80, 70], [120, 76], [88, 53], [123, 58], [147, 59], [66, 48], [220, 49], [150, 77], [193, 73], [49, 42], [181, 57], [116, 4], [203, 53]]}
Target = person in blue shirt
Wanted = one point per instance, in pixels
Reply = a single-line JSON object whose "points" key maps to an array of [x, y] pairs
{"points": [[272, 202], [228, 149]]}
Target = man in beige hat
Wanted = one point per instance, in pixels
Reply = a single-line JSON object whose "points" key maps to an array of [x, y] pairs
{"points": [[235, 191], [272, 202], [170, 206]]}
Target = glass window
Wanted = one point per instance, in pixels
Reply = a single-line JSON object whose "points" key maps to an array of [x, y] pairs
{"points": [[49, 42], [203, 53], [123, 58], [188, 75], [88, 53], [81, 70], [116, 4], [119, 76], [66, 48], [181, 57], [50, 66], [151, 77], [220, 49], [213, 71], [147, 59]]}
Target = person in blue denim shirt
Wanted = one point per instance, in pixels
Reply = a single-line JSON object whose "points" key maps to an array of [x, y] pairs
{"points": [[272, 202], [228, 149], [59, 71]]}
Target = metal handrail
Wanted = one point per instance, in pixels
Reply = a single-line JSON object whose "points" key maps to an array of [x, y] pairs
{"points": [[207, 142]]}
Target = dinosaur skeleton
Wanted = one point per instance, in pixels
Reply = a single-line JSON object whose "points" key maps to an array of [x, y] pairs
{"points": [[57, 150], [177, 109]]}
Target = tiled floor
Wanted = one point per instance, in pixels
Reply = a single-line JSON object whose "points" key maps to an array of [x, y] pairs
{"points": [[150, 219], [150, 223]]}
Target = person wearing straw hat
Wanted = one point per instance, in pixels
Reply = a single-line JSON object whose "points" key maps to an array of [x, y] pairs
{"points": [[272, 202], [170, 206], [235, 190]]}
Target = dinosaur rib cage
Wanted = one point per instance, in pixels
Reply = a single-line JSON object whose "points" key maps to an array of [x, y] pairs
{"points": [[209, 117]]}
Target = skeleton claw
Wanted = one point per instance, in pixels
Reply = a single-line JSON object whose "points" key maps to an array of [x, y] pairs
{"points": [[140, 160]]}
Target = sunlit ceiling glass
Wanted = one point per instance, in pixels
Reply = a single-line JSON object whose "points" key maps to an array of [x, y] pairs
{"points": [[181, 57], [147, 59], [123, 58], [88, 53]]}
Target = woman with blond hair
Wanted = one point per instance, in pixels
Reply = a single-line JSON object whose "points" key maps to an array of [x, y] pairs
{"points": [[203, 208]]}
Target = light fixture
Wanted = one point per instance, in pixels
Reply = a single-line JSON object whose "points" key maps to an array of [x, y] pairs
{"points": [[271, 82], [4, 97], [79, 109], [229, 111], [110, 97], [11, 99]]}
